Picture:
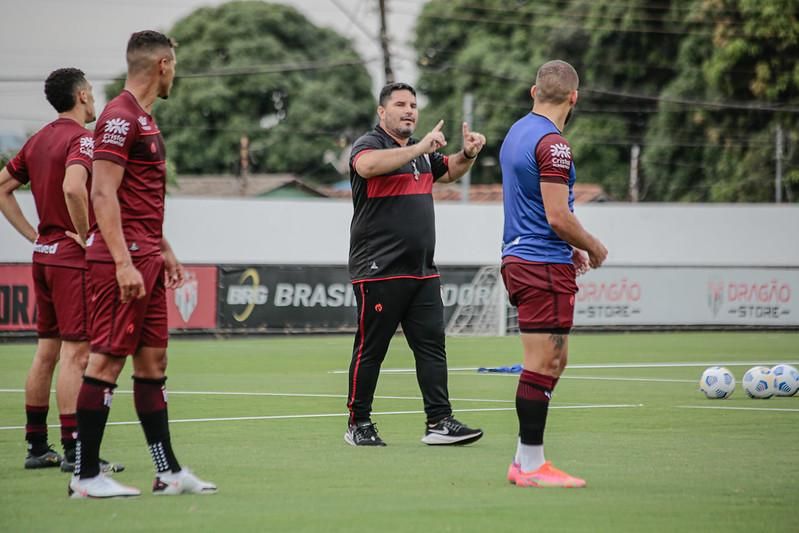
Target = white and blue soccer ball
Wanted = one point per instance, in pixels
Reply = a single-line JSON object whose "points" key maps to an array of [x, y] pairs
{"points": [[717, 382], [786, 380], [758, 382]]}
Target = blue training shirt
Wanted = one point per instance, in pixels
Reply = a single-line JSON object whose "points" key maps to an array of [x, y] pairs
{"points": [[534, 151]]}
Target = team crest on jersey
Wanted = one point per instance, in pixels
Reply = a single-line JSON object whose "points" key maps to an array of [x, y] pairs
{"points": [[186, 297], [143, 123], [87, 146], [116, 131]]}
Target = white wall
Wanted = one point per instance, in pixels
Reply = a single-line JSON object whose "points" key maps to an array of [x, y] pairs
{"points": [[317, 232]]}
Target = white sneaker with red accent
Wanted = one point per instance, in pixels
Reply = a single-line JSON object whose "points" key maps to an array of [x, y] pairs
{"points": [[99, 486], [183, 482]]}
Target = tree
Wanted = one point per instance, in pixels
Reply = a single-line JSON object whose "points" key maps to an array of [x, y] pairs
{"points": [[493, 50], [630, 51], [483, 48], [261, 70], [749, 63]]}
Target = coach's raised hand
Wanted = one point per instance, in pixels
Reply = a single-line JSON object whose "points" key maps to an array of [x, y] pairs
{"points": [[434, 140], [473, 142]]}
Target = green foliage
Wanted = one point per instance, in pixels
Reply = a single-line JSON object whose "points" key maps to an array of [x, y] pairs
{"points": [[291, 115], [642, 63], [483, 48], [748, 57]]}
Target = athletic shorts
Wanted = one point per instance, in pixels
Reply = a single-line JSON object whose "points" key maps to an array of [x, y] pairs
{"points": [[121, 329], [60, 302], [542, 292]]}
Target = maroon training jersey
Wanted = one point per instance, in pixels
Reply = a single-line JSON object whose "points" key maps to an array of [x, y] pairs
{"points": [[43, 161], [128, 136]]}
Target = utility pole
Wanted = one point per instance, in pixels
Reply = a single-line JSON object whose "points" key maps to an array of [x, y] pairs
{"points": [[778, 170], [468, 113], [244, 164], [635, 152], [384, 43]]}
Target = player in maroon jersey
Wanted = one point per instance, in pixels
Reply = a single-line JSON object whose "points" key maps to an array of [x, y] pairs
{"points": [[130, 267], [57, 162]]}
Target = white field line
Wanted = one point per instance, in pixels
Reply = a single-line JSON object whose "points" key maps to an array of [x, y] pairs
{"points": [[605, 378], [288, 395], [328, 415], [598, 366], [723, 408]]}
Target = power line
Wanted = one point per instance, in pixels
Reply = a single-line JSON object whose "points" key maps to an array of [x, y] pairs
{"points": [[561, 25], [233, 71], [355, 21], [624, 16], [687, 101]]}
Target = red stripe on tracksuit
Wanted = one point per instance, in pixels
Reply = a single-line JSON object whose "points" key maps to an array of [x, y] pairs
{"points": [[360, 349]]}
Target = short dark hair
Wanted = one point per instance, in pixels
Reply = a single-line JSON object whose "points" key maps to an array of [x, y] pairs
{"points": [[60, 87], [145, 41], [555, 81], [385, 92]]}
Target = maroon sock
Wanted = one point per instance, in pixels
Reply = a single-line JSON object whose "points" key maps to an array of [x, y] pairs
{"points": [[149, 395], [69, 430], [532, 405], [94, 402], [36, 428]]}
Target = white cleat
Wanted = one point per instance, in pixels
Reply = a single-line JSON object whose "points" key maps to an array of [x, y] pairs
{"points": [[183, 482], [99, 486]]}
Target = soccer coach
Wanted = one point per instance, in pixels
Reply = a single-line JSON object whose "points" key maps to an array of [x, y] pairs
{"points": [[392, 241]]}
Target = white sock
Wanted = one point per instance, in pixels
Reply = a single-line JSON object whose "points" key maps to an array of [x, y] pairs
{"points": [[529, 456]]}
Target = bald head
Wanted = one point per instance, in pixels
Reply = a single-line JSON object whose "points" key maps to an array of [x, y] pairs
{"points": [[147, 48], [555, 81]]}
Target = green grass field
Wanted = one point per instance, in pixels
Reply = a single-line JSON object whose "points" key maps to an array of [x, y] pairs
{"points": [[652, 462]]}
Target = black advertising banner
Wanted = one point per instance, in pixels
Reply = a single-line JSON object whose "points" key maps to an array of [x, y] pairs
{"points": [[307, 299]]}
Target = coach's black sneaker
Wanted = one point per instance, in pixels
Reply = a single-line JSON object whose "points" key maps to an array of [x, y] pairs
{"points": [[450, 431], [46, 459], [68, 464], [363, 434]]}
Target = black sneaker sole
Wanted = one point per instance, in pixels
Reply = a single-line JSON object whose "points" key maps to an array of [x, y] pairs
{"points": [[35, 466], [442, 440]]}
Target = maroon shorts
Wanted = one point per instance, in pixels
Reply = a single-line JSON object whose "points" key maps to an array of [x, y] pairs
{"points": [[543, 293], [60, 302], [120, 329]]}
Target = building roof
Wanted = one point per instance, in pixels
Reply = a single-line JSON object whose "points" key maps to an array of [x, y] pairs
{"points": [[488, 193], [291, 186], [258, 185]]}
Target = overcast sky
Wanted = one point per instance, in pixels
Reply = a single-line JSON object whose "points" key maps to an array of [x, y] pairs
{"points": [[39, 36]]}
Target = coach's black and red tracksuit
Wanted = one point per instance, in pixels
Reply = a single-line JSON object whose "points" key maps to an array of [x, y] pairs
{"points": [[392, 240]]}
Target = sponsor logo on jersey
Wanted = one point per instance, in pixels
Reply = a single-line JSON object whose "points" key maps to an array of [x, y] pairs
{"points": [[561, 155], [47, 249], [116, 131], [87, 146]]}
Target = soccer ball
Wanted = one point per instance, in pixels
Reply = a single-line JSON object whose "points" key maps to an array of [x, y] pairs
{"points": [[758, 382], [786, 380], [717, 382]]}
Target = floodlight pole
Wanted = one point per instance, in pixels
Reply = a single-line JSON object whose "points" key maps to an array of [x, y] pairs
{"points": [[384, 43], [778, 170], [244, 164], [635, 152], [468, 115]]}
